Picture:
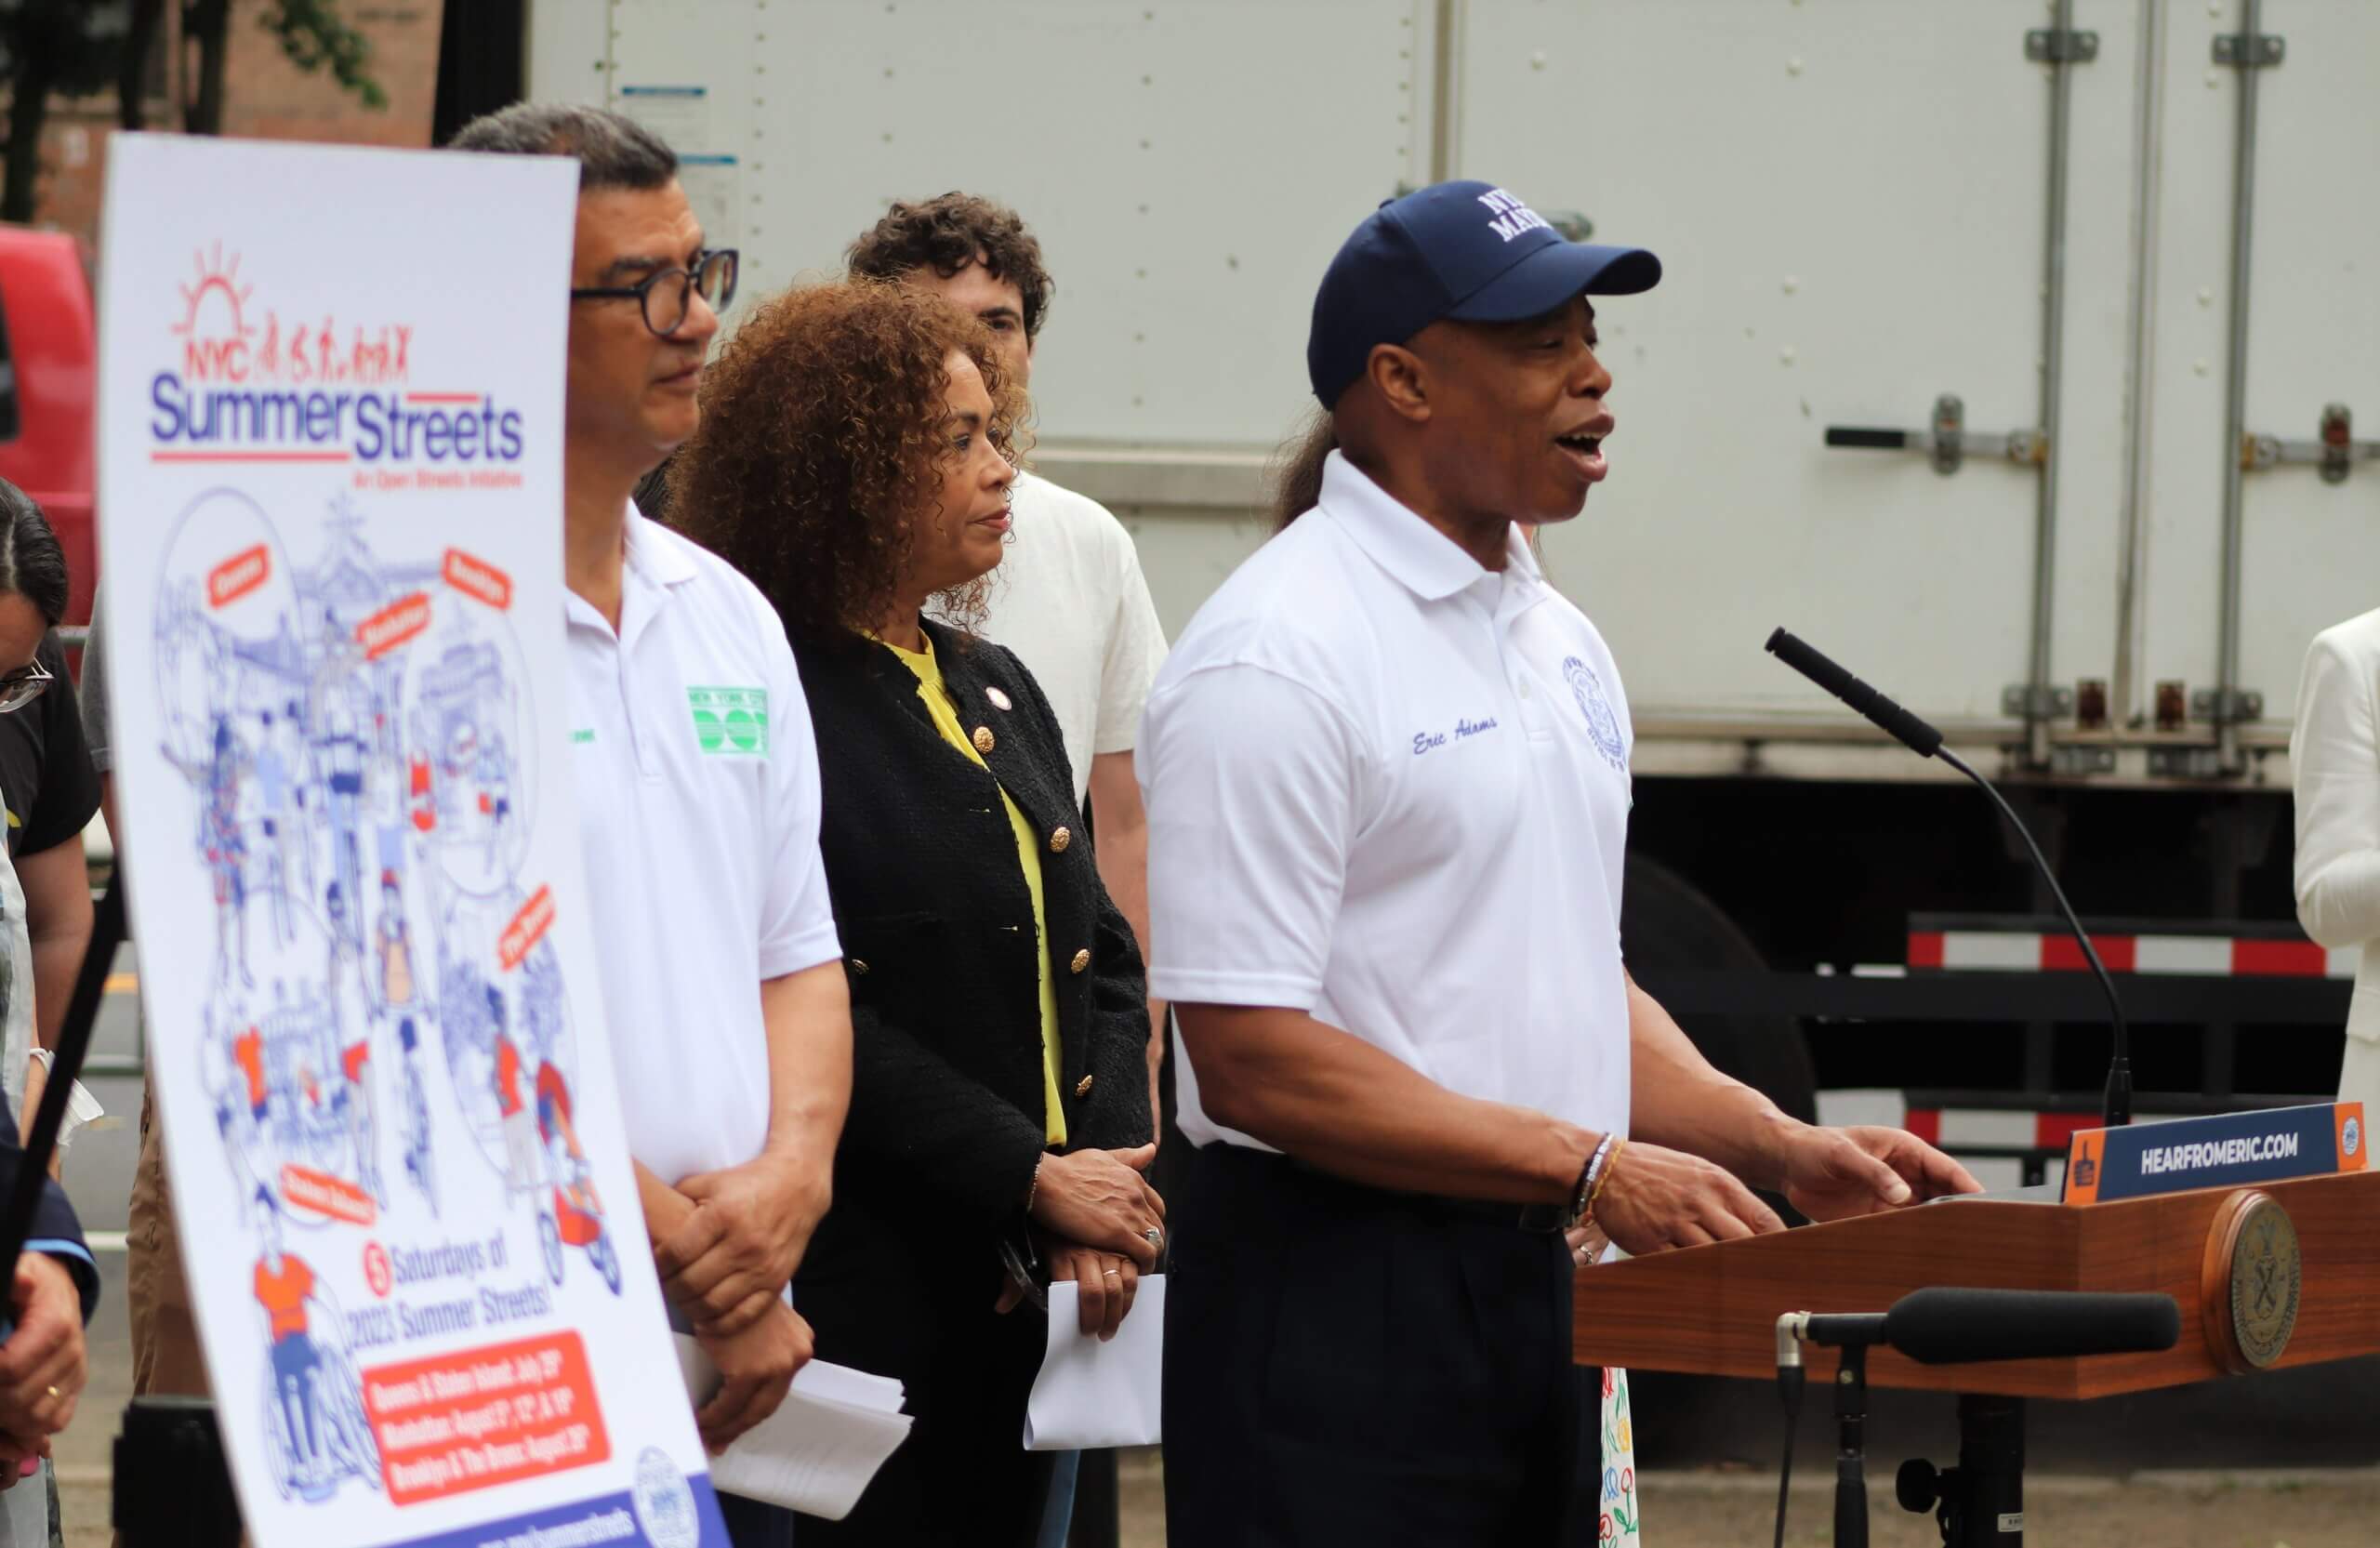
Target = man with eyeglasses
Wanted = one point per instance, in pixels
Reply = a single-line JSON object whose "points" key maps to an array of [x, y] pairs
{"points": [[722, 975]]}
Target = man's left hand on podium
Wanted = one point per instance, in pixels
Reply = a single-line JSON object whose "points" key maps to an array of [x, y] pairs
{"points": [[1836, 1174]]}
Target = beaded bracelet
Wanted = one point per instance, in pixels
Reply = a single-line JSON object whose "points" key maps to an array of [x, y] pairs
{"points": [[1583, 1197], [1595, 1185]]}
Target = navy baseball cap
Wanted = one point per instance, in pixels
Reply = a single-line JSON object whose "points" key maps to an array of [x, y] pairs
{"points": [[1465, 250]]}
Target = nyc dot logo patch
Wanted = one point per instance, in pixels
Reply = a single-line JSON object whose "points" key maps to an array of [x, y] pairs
{"points": [[730, 723]]}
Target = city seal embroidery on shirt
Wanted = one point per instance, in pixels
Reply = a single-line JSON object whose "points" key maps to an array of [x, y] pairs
{"points": [[1603, 726], [730, 723]]}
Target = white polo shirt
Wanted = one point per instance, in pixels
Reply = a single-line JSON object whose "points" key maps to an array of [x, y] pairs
{"points": [[1070, 601], [1389, 787], [698, 805]]}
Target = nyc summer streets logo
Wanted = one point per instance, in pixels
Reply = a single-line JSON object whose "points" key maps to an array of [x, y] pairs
{"points": [[730, 723], [244, 382]]}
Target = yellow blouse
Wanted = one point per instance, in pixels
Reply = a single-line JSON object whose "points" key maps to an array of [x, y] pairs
{"points": [[1028, 858]]}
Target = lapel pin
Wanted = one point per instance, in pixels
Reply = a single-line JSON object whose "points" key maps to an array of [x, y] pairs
{"points": [[999, 700]]}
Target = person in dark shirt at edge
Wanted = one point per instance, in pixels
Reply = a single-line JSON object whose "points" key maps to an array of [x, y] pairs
{"points": [[49, 791]]}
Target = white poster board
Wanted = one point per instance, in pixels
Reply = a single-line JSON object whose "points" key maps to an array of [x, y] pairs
{"points": [[330, 482]]}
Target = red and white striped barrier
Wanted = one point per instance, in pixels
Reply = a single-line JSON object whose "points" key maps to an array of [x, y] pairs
{"points": [[2200, 955], [1956, 1129]]}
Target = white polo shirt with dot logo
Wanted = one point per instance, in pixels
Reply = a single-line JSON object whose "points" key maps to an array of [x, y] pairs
{"points": [[697, 780], [1389, 787]]}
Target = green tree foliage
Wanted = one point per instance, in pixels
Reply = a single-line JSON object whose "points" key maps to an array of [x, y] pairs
{"points": [[311, 31], [315, 37]]}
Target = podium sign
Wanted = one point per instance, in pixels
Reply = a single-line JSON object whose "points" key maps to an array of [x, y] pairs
{"points": [[331, 419], [2221, 1150]]}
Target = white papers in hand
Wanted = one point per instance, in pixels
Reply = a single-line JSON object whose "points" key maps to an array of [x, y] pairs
{"points": [[1091, 1394], [817, 1452]]}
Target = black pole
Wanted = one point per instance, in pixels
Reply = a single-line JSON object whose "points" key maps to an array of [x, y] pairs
{"points": [[172, 1488], [1099, 1504], [1987, 1509], [1851, 1449], [74, 1044]]}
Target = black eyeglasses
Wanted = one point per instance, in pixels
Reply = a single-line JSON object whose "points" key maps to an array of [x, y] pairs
{"points": [[664, 294], [22, 686]]}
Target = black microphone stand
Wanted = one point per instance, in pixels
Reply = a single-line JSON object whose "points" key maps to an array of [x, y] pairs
{"points": [[1850, 1447], [2115, 1110], [1981, 1500], [1850, 1335], [1926, 741], [1979, 1503]]}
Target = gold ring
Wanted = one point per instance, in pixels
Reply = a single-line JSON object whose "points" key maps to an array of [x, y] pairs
{"points": [[1115, 1274], [54, 1394]]}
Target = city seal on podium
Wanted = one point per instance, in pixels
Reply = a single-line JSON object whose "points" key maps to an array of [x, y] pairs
{"points": [[2251, 1280]]}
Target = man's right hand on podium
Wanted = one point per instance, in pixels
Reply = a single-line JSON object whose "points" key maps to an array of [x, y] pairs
{"points": [[1658, 1198]]}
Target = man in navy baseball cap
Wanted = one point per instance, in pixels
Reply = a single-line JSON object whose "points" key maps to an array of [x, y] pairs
{"points": [[1386, 769], [1464, 250]]}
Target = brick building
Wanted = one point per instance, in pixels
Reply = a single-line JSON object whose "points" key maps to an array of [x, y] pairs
{"points": [[265, 97]]}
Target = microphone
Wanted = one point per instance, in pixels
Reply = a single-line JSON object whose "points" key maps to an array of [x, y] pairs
{"points": [[1898, 723], [1949, 1327], [1962, 1327], [1926, 742], [1945, 1325]]}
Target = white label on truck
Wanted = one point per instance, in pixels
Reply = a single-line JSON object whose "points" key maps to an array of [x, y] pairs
{"points": [[680, 115]]}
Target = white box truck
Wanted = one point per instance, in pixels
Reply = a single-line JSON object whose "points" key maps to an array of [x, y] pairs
{"points": [[2017, 354]]}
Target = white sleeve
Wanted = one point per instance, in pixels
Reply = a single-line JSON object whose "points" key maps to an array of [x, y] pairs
{"points": [[797, 916], [1254, 785], [2334, 762], [1135, 651]]}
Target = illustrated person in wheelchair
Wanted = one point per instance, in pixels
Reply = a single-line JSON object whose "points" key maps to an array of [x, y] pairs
{"points": [[283, 1284], [577, 1214], [561, 1136]]}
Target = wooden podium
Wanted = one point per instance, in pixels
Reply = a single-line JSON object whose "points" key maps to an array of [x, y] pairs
{"points": [[1713, 1310]]}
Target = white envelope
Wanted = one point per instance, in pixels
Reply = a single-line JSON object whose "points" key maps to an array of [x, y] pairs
{"points": [[817, 1452], [1091, 1396]]}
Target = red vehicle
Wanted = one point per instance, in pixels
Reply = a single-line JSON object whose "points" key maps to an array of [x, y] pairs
{"points": [[49, 392]]}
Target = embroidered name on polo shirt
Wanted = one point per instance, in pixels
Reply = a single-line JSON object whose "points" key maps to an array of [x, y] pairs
{"points": [[1425, 741], [730, 723]]}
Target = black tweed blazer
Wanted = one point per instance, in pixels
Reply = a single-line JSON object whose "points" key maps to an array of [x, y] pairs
{"points": [[947, 1096]]}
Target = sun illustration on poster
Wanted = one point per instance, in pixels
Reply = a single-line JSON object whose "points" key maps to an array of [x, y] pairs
{"points": [[217, 282]]}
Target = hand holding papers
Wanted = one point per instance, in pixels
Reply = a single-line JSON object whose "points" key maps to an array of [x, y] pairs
{"points": [[1092, 1394], [817, 1452]]}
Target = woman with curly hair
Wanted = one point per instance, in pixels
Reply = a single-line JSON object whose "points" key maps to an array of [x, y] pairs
{"points": [[854, 461]]}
